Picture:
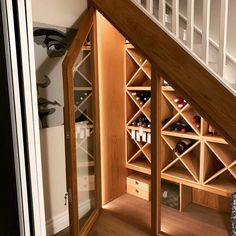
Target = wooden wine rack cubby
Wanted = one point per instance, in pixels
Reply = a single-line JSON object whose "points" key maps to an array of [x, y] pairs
{"points": [[83, 107], [209, 164], [138, 78]]}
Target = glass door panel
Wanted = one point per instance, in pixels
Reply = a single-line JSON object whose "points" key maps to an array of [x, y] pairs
{"points": [[84, 129]]}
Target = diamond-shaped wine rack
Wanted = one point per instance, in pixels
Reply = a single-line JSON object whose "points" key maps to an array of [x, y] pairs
{"points": [[138, 80], [209, 162], [83, 95]]}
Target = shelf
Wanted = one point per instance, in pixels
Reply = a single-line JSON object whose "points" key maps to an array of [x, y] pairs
{"points": [[81, 97], [82, 116], [138, 128], [81, 59], [172, 141], [147, 68], [171, 96], [80, 80], [188, 115], [188, 135], [131, 67], [232, 170], [132, 148], [84, 157], [139, 88], [167, 88], [137, 57], [225, 152], [139, 143], [212, 165], [88, 144], [147, 152], [82, 88], [179, 172], [141, 165], [192, 162], [131, 108], [85, 68], [224, 182], [168, 156], [146, 108], [139, 79]]}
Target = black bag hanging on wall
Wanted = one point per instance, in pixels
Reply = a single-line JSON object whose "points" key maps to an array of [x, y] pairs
{"points": [[233, 216]]}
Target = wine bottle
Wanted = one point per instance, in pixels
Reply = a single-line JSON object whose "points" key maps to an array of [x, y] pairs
{"points": [[182, 104], [142, 121], [165, 121], [186, 128], [165, 83], [197, 121], [183, 145], [178, 100], [176, 126], [212, 131]]}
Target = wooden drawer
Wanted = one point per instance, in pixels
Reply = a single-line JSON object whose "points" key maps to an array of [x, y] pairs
{"points": [[86, 183], [138, 192], [140, 181]]}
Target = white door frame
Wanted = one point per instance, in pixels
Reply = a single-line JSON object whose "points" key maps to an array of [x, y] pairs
{"points": [[29, 103]]}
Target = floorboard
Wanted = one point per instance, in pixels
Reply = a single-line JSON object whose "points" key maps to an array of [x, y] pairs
{"points": [[130, 216]]}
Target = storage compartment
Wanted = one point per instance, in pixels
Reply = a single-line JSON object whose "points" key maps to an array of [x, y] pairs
{"points": [[139, 185], [170, 194]]}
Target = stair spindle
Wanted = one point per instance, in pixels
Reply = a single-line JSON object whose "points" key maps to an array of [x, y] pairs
{"points": [[223, 36], [175, 18], [162, 11], [190, 23], [205, 30], [150, 6]]}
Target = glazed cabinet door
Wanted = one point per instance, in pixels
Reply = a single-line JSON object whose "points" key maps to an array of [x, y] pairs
{"points": [[82, 127]]}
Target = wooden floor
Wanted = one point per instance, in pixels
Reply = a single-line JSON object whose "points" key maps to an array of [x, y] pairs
{"points": [[130, 216]]}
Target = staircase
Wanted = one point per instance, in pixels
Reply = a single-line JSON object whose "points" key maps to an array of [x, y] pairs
{"points": [[201, 70], [178, 21]]}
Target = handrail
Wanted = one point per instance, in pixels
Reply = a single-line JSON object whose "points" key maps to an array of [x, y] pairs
{"points": [[190, 78]]}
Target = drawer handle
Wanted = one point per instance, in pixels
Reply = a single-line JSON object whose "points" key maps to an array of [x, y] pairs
{"points": [[137, 191], [136, 182]]}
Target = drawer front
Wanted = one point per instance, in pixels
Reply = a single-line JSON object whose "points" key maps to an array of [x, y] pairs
{"points": [[138, 192], [138, 184], [86, 183]]}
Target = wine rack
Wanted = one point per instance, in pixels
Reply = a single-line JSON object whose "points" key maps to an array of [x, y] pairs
{"points": [[83, 92], [209, 164], [138, 139]]}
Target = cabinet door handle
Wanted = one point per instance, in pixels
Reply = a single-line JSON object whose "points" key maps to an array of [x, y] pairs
{"points": [[136, 182], [137, 191]]}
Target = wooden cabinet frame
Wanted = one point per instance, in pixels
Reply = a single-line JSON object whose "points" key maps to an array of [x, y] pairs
{"points": [[86, 25]]}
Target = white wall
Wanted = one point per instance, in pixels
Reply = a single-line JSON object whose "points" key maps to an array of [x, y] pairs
{"points": [[63, 13]]}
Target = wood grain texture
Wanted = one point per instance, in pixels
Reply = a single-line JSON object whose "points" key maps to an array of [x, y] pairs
{"points": [[112, 109], [211, 200], [130, 216], [96, 114], [185, 196], [186, 75], [156, 105], [85, 23]]}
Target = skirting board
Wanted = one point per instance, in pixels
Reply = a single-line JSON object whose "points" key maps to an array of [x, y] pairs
{"points": [[61, 221]]}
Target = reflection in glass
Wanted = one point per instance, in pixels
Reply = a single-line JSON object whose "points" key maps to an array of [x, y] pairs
{"points": [[84, 126]]}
